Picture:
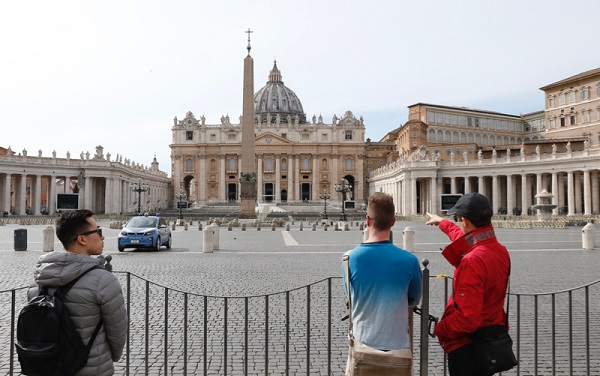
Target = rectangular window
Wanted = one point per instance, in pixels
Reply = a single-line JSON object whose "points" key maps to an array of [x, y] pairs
{"points": [[231, 136], [586, 116], [324, 137], [551, 102], [284, 135], [572, 96], [189, 135], [562, 122], [585, 93], [348, 135], [348, 164], [561, 99], [305, 136], [572, 118], [213, 137]]}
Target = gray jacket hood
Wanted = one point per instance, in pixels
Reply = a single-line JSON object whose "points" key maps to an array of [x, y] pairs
{"points": [[59, 268]]}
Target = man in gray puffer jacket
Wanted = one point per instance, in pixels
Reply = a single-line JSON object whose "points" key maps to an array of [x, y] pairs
{"points": [[96, 296]]}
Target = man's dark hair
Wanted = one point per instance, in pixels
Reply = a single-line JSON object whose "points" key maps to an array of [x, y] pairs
{"points": [[381, 211], [69, 224]]}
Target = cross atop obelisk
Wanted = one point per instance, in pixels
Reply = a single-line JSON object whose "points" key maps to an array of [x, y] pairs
{"points": [[248, 32]]}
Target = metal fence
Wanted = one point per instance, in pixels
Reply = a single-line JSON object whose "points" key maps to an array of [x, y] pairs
{"points": [[299, 331]]}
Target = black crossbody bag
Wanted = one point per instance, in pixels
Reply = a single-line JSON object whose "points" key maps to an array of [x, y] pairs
{"points": [[493, 345]]}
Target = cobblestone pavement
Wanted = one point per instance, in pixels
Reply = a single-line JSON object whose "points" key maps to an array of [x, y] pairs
{"points": [[256, 263]]}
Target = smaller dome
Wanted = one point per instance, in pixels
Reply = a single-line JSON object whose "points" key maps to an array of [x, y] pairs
{"points": [[277, 99]]}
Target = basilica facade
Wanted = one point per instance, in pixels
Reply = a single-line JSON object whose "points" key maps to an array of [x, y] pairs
{"points": [[297, 159]]}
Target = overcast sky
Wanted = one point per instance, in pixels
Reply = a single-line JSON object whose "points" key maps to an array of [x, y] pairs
{"points": [[76, 74]]}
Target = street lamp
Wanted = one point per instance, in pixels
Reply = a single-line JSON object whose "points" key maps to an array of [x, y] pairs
{"points": [[181, 196], [325, 196], [139, 188], [344, 188]]}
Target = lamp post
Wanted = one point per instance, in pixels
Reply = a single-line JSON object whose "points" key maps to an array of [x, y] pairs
{"points": [[180, 197], [344, 188], [325, 196], [139, 188]]}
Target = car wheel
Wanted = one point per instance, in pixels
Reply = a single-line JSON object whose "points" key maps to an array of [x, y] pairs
{"points": [[157, 247], [121, 249], [170, 242]]}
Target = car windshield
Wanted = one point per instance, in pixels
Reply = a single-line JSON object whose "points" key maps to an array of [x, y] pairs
{"points": [[142, 222]]}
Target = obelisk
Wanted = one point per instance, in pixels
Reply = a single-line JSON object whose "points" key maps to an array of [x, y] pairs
{"points": [[248, 173]]}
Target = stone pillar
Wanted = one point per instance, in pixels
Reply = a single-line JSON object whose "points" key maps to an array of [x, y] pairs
{"points": [[561, 190], [48, 236], [359, 192], [36, 195], [109, 194], [570, 194], [481, 185], [495, 194], [277, 178], [434, 195], [554, 191], [595, 193], [510, 195], [525, 193], [259, 179], [222, 186], [538, 185], [22, 195], [453, 185], [467, 184], [291, 187], [201, 177], [578, 195], [314, 191], [297, 178], [413, 195], [6, 202], [587, 194], [51, 194]]}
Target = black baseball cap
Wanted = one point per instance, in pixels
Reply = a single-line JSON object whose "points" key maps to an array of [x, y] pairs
{"points": [[472, 206]]}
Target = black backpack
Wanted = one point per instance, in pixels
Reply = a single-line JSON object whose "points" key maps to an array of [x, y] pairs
{"points": [[47, 342]]}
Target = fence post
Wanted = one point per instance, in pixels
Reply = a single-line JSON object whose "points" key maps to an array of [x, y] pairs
{"points": [[424, 350]]}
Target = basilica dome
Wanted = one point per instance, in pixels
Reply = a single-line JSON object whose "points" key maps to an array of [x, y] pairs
{"points": [[277, 99]]}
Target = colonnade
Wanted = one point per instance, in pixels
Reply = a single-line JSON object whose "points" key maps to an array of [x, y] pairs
{"points": [[511, 185]]}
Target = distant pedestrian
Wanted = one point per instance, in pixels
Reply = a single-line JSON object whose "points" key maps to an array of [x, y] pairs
{"points": [[96, 296], [481, 272]]}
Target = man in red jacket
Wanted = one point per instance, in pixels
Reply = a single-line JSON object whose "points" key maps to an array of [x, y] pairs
{"points": [[481, 272]]}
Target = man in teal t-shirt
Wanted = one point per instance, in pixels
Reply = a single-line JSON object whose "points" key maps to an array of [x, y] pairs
{"points": [[385, 282]]}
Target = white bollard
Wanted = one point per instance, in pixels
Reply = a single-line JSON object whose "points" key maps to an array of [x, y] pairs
{"points": [[587, 237], [215, 228], [409, 240], [48, 239], [208, 240]]}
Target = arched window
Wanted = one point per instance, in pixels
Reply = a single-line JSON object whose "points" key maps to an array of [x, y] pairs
{"points": [[324, 164], [189, 165], [213, 165], [455, 136], [431, 135], [463, 137], [478, 139], [448, 136], [283, 164], [440, 135], [485, 139], [471, 140], [348, 164]]}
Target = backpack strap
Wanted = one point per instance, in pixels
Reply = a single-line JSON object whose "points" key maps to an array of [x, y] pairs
{"points": [[63, 290]]}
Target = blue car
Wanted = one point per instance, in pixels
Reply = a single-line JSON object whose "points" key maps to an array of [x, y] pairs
{"points": [[147, 231]]}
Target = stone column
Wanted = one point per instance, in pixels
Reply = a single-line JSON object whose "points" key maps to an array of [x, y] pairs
{"points": [[109, 195], [222, 185], [51, 194], [495, 194], [453, 185], [359, 195], [291, 186], [554, 191], [22, 195], [6, 194], [259, 180], [510, 195], [538, 185], [481, 185], [413, 195], [595, 193], [587, 194], [36, 196], [561, 190], [201, 177], [570, 196], [314, 194], [467, 184], [525, 193], [578, 196], [277, 178], [87, 194], [434, 195], [297, 177]]}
